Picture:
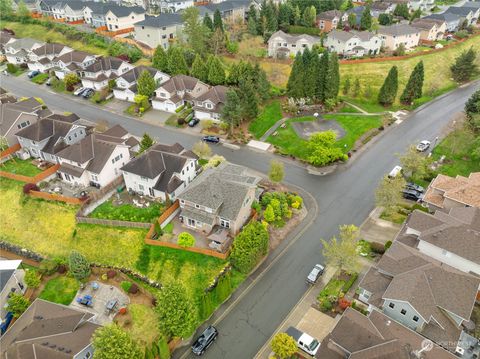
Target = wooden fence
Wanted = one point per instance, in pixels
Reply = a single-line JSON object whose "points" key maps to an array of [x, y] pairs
{"points": [[10, 150], [207, 252], [55, 197], [165, 216], [35, 179], [112, 222]]}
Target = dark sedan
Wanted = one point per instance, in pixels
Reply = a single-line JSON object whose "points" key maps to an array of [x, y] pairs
{"points": [[205, 340], [412, 195], [211, 139], [193, 122]]}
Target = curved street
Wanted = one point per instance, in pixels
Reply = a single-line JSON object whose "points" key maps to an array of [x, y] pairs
{"points": [[249, 318]]}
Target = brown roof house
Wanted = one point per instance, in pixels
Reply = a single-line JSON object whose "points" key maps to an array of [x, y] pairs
{"points": [[177, 92], [446, 192], [452, 238], [49, 330], [423, 294], [17, 116], [210, 104], [104, 69], [41, 58], [219, 197], [328, 20], [430, 29], [163, 171], [376, 336], [19, 50], [73, 62], [126, 83]]}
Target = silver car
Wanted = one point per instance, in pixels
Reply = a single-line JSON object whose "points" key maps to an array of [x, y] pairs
{"points": [[315, 273]]}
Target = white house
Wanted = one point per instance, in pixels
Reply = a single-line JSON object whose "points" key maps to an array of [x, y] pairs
{"points": [[122, 17], [73, 61], [209, 105], [395, 35], [104, 69], [283, 45], [163, 171], [353, 44], [126, 84], [17, 52], [41, 58]]}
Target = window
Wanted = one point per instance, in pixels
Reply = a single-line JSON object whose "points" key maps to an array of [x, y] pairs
{"points": [[415, 318], [164, 36], [391, 305], [224, 223], [94, 178], [140, 187], [75, 135], [197, 206], [403, 311], [164, 28], [143, 27]]}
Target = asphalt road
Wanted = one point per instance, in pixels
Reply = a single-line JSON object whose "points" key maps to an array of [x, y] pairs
{"points": [[344, 197]]}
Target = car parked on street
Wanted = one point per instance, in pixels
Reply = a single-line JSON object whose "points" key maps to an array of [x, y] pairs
{"points": [[395, 172], [79, 91], [315, 273], [415, 187], [211, 139], [412, 195], [33, 73], [88, 93], [423, 146], [206, 339], [193, 122]]}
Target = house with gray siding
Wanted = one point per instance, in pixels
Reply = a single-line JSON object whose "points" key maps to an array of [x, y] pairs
{"points": [[126, 83], [161, 30], [468, 14], [452, 21], [11, 281], [284, 45], [230, 10]]}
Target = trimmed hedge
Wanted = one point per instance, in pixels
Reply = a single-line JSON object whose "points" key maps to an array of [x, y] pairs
{"points": [[249, 246]]}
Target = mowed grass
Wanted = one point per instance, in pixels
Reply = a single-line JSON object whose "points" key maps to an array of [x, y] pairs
{"points": [[20, 167], [271, 113], [128, 212], [60, 290], [145, 327], [49, 35], [355, 126]]}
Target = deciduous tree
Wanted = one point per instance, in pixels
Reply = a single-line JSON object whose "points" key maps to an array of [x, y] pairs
{"points": [[146, 142], [22, 11], [309, 16], [17, 304], [196, 33], [357, 88], [111, 341], [389, 193], [342, 253], [32, 278], [322, 149], [70, 80], [202, 149], [283, 345], [414, 164], [277, 171]]}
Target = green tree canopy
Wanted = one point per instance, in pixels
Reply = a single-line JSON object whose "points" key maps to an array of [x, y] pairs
{"points": [[402, 10], [249, 246], [232, 111], [464, 67], [176, 61], [17, 304], [199, 68], [111, 341], [277, 171], [6, 8], [309, 16], [217, 20], [413, 89], [207, 21], [146, 142], [196, 33], [366, 19], [22, 10], [389, 89], [333, 79], [295, 80], [216, 73], [283, 345], [248, 100], [146, 84], [414, 164], [389, 193], [342, 253], [322, 148], [160, 59], [78, 265]]}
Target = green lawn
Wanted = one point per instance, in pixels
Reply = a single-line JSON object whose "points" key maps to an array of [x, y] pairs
{"points": [[269, 116], [128, 212], [145, 327], [346, 108], [40, 79], [402, 212], [288, 143], [20, 167], [60, 290], [456, 148], [355, 126]]}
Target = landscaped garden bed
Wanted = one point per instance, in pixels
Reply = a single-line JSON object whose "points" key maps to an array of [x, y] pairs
{"points": [[331, 298], [402, 212], [40, 78]]}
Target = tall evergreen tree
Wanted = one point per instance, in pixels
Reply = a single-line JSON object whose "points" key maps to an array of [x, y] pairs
{"points": [[196, 33], [464, 66], [231, 112], [310, 59], [321, 75], [296, 15], [401, 10], [207, 22], [176, 61], [295, 80], [309, 16], [146, 84], [199, 69], [284, 15], [217, 20], [352, 20], [366, 19], [389, 89], [216, 73], [160, 59], [413, 89], [349, 5], [248, 100], [333, 78], [261, 84], [252, 20], [271, 17]]}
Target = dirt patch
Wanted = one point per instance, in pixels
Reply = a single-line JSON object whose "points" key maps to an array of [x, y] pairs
{"points": [[305, 129], [277, 235]]}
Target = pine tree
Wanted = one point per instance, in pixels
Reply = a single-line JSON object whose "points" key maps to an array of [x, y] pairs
{"points": [[413, 89], [401, 10], [146, 142], [199, 69], [346, 86], [271, 17], [349, 5], [207, 22], [309, 16], [78, 265], [260, 82], [366, 19], [248, 100], [217, 20], [340, 24], [146, 84], [321, 75], [295, 80], [160, 59], [356, 88], [296, 15], [176, 61], [216, 73], [464, 66], [284, 15], [389, 89], [332, 79], [231, 113], [310, 59], [352, 20], [252, 20]]}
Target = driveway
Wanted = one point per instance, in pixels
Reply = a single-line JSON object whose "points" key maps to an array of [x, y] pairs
{"points": [[378, 230], [101, 296]]}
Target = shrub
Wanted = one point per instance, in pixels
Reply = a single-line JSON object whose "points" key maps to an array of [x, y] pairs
{"points": [[185, 239], [344, 303], [30, 187], [11, 68], [378, 248], [32, 278], [206, 124], [111, 273], [249, 246], [180, 121], [79, 266], [388, 244], [48, 267], [100, 96], [17, 304], [133, 289], [126, 286], [326, 305]]}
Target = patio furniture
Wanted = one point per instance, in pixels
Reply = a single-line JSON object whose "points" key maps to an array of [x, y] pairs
{"points": [[86, 300], [111, 304], [95, 285]]}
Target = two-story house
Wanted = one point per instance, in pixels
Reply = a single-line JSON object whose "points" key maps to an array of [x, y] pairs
{"points": [[12, 275], [171, 6], [177, 92], [163, 171], [430, 29], [452, 21], [381, 7], [221, 196], [230, 10], [69, 11], [17, 52], [210, 104], [468, 14], [353, 44], [161, 30], [94, 14], [123, 17], [283, 45], [126, 84], [73, 62], [41, 58], [50, 330], [328, 20], [5, 38], [104, 69], [394, 35]]}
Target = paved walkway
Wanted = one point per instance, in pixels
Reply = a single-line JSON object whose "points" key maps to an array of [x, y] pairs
{"points": [[273, 128]]}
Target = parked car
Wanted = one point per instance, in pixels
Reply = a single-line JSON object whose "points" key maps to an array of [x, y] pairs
{"points": [[193, 122], [211, 139], [208, 336], [423, 146], [88, 93], [304, 341], [395, 172], [412, 195], [415, 187], [33, 73], [315, 273], [79, 91]]}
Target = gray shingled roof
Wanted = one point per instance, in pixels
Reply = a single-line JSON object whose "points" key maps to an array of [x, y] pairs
{"points": [[164, 19], [133, 74], [122, 11], [462, 11], [104, 64], [398, 30]]}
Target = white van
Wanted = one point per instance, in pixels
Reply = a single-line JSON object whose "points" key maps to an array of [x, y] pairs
{"points": [[395, 172]]}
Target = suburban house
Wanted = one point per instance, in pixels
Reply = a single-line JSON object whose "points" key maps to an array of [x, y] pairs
{"points": [[17, 116], [450, 238], [466, 14], [126, 84], [381, 7], [17, 52], [376, 336], [169, 6], [328, 20], [97, 159], [163, 171], [104, 69], [209, 105], [445, 192], [430, 29], [177, 92], [221, 196], [48, 136], [283, 45], [423, 5], [123, 18], [69, 11], [353, 44], [73, 62], [230, 10], [11, 281], [394, 35], [161, 30], [5, 38], [41, 58], [452, 21], [94, 14], [49, 330], [425, 295]]}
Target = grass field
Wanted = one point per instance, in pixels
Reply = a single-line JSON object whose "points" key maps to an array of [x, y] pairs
{"points": [[128, 212], [269, 116], [60, 290], [252, 46], [20, 167], [145, 327]]}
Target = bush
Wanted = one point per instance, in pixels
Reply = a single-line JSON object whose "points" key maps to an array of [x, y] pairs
{"points": [[48, 267], [180, 121], [249, 246], [344, 303], [32, 278], [126, 286], [79, 266], [326, 305], [206, 124], [378, 248], [232, 47], [185, 239], [388, 244], [100, 96], [11, 68], [133, 288], [111, 274], [17, 304], [30, 187]]}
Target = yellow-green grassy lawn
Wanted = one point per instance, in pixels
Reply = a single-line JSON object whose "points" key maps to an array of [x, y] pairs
{"points": [[145, 327]]}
